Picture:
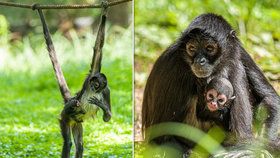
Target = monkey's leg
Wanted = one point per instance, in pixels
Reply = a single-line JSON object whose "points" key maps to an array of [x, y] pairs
{"points": [[66, 134], [77, 131], [106, 111]]}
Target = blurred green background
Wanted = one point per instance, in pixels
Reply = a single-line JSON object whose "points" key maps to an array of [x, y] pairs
{"points": [[159, 23], [30, 101], [257, 23]]}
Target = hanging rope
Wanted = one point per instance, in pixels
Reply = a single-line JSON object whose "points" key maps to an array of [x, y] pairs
{"points": [[53, 6]]}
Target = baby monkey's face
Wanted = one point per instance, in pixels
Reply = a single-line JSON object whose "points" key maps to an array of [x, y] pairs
{"points": [[216, 100], [218, 94], [98, 82]]}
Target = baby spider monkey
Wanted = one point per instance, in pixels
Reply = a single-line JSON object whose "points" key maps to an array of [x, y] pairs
{"points": [[219, 94], [95, 93]]}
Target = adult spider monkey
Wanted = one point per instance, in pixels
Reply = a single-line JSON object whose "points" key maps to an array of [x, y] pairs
{"points": [[208, 48], [94, 93]]}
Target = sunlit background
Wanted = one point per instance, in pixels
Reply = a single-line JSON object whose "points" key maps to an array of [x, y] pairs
{"points": [[30, 100]]}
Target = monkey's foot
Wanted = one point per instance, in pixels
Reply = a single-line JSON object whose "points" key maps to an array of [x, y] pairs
{"points": [[77, 103], [73, 107], [76, 110]]}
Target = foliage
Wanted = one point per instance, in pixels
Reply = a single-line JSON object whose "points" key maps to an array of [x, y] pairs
{"points": [[30, 101], [173, 149], [3, 30], [257, 24], [206, 143], [19, 16]]}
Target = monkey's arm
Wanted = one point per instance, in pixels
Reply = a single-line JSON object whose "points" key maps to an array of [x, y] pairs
{"points": [[107, 97], [64, 90], [241, 113], [97, 50], [104, 105], [107, 101], [265, 93]]}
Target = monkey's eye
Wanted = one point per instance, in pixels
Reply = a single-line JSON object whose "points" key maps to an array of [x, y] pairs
{"points": [[210, 96], [210, 48], [222, 99], [96, 84], [191, 49]]}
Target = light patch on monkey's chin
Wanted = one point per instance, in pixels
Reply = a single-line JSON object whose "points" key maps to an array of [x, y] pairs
{"points": [[200, 73]]}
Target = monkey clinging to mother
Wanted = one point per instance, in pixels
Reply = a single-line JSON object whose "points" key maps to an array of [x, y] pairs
{"points": [[209, 48]]}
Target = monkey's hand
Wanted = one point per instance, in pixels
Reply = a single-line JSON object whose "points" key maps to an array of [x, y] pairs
{"points": [[73, 107], [94, 100], [105, 108], [222, 112]]}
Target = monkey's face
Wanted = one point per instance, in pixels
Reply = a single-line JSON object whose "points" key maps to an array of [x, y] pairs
{"points": [[202, 52], [98, 82], [215, 100]]}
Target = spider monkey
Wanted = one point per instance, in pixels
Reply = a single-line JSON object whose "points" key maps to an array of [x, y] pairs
{"points": [[218, 98], [208, 48], [94, 93]]}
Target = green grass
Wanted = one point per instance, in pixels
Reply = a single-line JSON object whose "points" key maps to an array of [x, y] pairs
{"points": [[30, 101]]}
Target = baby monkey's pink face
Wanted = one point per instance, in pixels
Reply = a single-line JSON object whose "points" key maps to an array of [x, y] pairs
{"points": [[215, 100]]}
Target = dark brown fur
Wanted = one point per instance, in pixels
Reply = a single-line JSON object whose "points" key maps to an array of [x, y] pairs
{"points": [[174, 93]]}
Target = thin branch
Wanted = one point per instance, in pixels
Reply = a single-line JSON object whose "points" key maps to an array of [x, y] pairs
{"points": [[53, 6]]}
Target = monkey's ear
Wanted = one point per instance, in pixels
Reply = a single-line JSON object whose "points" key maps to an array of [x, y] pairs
{"points": [[233, 97], [103, 76], [233, 33], [205, 93]]}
